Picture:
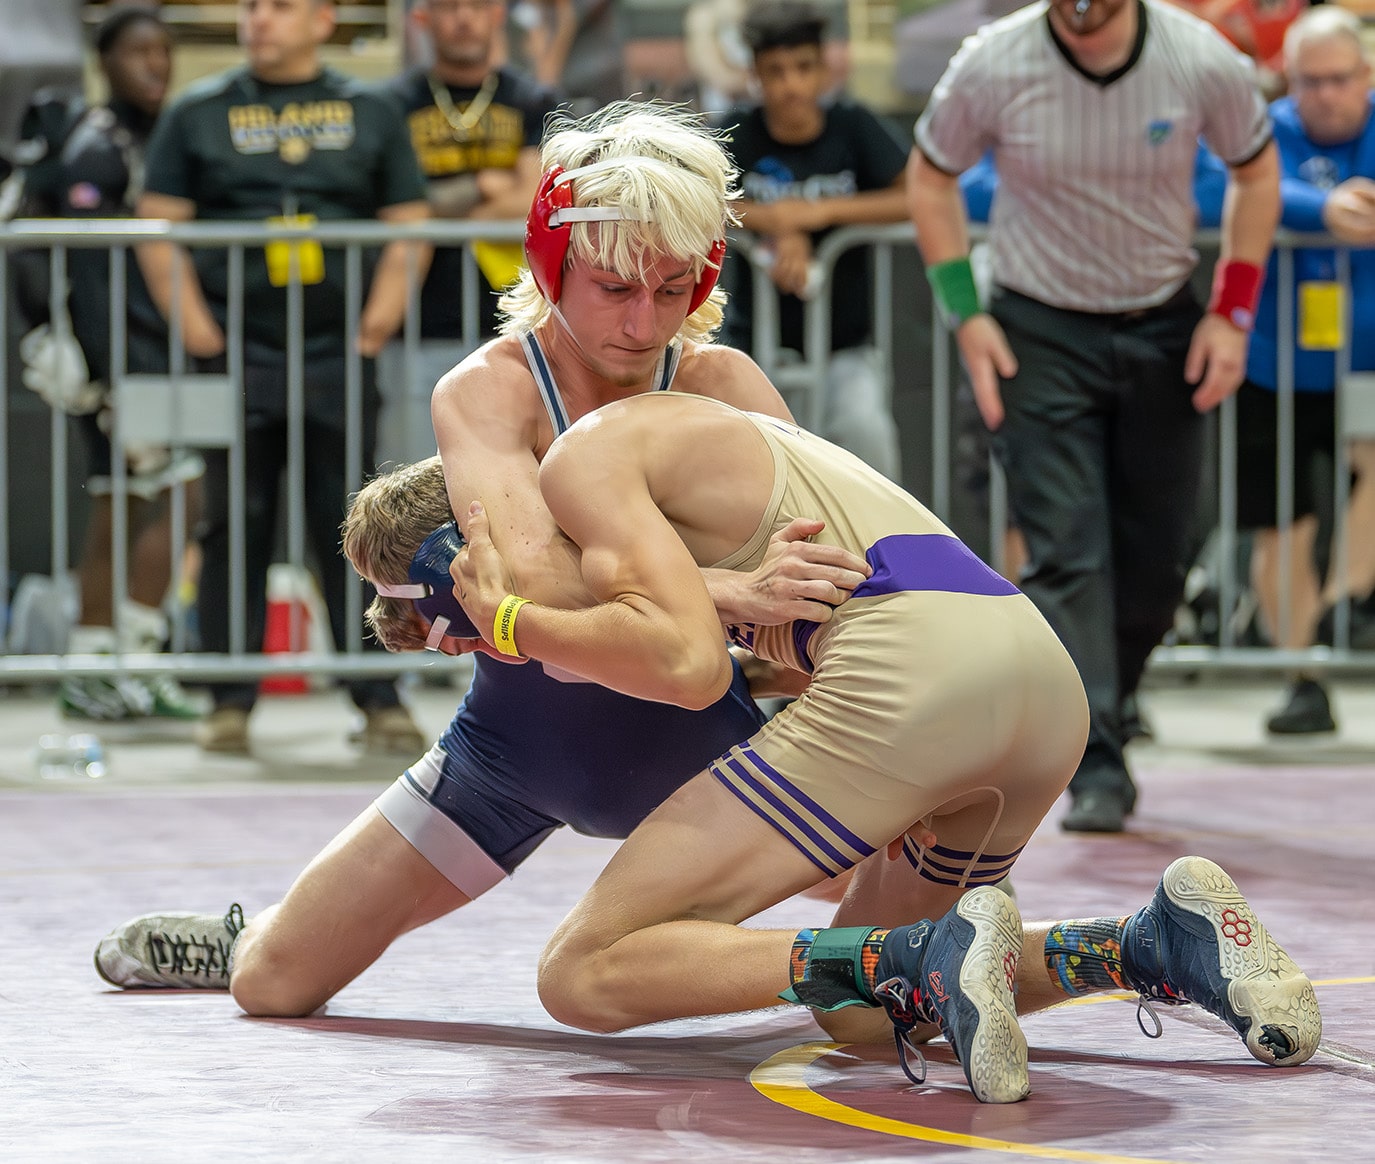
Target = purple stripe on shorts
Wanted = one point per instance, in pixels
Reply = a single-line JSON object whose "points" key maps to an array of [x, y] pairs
{"points": [[764, 816], [783, 783], [928, 562]]}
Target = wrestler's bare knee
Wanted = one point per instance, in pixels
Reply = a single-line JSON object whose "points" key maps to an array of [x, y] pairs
{"points": [[576, 985], [267, 982]]}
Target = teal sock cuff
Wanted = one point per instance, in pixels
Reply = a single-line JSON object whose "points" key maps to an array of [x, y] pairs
{"points": [[828, 969]]}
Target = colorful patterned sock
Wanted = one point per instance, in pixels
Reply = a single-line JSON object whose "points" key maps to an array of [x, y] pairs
{"points": [[833, 968], [1086, 955]]}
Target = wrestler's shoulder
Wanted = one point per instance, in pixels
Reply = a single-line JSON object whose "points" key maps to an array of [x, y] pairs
{"points": [[499, 360], [723, 373]]}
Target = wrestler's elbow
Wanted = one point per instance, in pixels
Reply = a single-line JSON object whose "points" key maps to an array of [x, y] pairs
{"points": [[710, 684], [695, 677]]}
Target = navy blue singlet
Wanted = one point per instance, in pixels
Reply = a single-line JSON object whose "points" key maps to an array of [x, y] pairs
{"points": [[526, 752]]}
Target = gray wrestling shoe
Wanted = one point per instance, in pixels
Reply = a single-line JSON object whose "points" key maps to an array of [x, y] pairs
{"points": [[1199, 941], [172, 951]]}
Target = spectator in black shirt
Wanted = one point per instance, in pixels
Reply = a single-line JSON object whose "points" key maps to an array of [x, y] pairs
{"points": [[98, 175], [476, 128], [284, 138]]}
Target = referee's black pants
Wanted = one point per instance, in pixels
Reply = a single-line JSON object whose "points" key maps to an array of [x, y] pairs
{"points": [[1103, 453]]}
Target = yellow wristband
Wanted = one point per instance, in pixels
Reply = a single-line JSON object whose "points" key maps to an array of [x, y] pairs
{"points": [[504, 624]]}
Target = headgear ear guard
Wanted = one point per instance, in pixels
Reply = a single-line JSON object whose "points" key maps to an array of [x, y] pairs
{"points": [[431, 589], [547, 236]]}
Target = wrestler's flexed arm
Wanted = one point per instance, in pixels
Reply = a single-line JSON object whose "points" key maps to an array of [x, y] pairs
{"points": [[492, 431]]}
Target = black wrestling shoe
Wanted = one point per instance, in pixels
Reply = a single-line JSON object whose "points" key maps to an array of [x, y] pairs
{"points": [[958, 973], [1199, 941]]}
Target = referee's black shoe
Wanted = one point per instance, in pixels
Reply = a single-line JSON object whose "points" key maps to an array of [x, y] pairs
{"points": [[1097, 810]]}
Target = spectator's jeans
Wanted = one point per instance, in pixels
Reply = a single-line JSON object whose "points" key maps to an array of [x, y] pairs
{"points": [[1103, 453], [405, 432], [326, 495], [857, 410]]}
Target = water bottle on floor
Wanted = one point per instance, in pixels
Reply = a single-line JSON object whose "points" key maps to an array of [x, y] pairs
{"points": [[75, 757]]}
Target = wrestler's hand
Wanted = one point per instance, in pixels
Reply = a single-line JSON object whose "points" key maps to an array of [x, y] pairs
{"points": [[481, 576], [798, 579], [921, 835]]}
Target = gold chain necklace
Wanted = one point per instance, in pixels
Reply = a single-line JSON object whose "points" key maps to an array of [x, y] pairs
{"points": [[463, 123]]}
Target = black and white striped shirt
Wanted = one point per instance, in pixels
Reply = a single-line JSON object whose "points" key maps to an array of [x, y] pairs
{"points": [[1095, 208]]}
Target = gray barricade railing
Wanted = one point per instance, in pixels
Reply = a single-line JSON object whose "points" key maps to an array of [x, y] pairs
{"points": [[806, 379], [59, 236], [192, 410]]}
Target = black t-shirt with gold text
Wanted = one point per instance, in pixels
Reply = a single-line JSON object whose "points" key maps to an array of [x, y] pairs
{"points": [[244, 150], [479, 130]]}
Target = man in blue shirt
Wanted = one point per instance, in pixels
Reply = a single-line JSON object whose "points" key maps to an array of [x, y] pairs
{"points": [[1326, 140]]}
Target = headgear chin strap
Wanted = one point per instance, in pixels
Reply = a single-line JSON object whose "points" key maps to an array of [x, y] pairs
{"points": [[547, 235], [431, 588]]}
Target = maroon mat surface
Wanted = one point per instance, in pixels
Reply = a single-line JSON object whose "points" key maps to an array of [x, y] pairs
{"points": [[442, 1052]]}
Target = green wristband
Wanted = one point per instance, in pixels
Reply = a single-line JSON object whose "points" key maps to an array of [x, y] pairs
{"points": [[956, 295]]}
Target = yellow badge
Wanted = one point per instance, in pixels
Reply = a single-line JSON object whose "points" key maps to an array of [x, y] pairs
{"points": [[500, 263], [1322, 314], [294, 150], [307, 256]]}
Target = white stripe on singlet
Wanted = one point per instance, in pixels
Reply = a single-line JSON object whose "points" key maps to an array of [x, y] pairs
{"points": [[662, 380], [1095, 209]]}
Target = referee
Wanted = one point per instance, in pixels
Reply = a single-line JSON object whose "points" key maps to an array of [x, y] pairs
{"points": [[1093, 364]]}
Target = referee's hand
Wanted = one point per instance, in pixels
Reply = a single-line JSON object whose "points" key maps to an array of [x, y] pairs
{"points": [[988, 357]]}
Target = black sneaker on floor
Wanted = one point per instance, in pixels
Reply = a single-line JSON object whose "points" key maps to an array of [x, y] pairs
{"points": [[1099, 810], [1307, 711]]}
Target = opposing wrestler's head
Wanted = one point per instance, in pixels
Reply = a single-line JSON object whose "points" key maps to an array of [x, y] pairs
{"points": [[641, 192], [401, 536]]}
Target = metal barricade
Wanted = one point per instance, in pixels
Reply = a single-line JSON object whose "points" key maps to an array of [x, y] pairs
{"points": [[218, 420], [186, 410], [805, 381]]}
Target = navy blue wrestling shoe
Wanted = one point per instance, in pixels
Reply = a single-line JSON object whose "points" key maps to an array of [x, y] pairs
{"points": [[1199, 941], [958, 973]]}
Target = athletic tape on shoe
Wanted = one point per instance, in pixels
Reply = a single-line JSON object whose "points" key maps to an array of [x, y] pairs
{"points": [[431, 588], [834, 971]]}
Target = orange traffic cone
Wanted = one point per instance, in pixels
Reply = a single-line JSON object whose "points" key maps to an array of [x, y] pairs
{"points": [[285, 605]]}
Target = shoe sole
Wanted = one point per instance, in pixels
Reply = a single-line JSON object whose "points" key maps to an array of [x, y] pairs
{"points": [[996, 1067], [1264, 985]]}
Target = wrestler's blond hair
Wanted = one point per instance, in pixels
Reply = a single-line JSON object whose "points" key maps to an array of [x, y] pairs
{"points": [[387, 520], [670, 177]]}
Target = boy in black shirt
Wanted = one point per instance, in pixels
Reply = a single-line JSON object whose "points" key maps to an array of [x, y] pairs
{"points": [[808, 165], [98, 175]]}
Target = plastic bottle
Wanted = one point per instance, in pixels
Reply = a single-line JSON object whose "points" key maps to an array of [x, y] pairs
{"points": [[70, 757]]}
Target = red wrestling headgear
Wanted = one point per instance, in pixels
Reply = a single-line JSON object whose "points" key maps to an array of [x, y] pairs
{"points": [[547, 236]]}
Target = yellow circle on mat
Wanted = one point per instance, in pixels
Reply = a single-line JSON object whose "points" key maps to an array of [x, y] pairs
{"points": [[781, 1079]]}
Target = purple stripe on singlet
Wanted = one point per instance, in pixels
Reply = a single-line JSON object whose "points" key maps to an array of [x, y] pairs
{"points": [[928, 562], [986, 871], [961, 854], [794, 818], [858, 844], [764, 816]]}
